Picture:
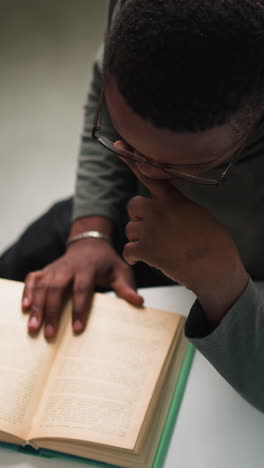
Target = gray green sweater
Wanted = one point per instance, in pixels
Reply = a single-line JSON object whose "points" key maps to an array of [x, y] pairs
{"points": [[104, 184]]}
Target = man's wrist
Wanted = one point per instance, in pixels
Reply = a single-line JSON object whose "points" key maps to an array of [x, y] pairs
{"points": [[221, 290], [92, 223], [88, 235]]}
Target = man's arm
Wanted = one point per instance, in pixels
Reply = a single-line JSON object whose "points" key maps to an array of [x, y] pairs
{"points": [[184, 241], [103, 186], [103, 183], [236, 347]]}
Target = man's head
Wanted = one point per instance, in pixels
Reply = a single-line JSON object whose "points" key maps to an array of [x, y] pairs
{"points": [[185, 70]]}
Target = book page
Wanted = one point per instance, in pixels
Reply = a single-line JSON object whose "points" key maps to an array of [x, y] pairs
{"points": [[146, 456], [24, 362], [102, 382]]}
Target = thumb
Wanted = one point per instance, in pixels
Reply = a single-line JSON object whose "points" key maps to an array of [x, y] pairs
{"points": [[124, 286], [161, 189]]}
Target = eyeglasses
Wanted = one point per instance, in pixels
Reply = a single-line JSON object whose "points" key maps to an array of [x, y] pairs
{"points": [[173, 169]]}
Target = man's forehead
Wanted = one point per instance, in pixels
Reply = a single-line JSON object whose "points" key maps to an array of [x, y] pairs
{"points": [[163, 144]]}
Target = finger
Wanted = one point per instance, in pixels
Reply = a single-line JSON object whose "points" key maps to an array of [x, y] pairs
{"points": [[131, 252], [55, 299], [83, 290], [125, 287], [28, 292], [36, 310], [133, 230], [159, 188], [124, 148], [137, 207]]}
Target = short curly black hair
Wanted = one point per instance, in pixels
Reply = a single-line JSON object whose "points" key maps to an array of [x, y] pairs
{"points": [[188, 65]]}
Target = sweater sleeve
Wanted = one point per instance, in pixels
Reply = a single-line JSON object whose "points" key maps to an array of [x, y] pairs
{"points": [[236, 347], [103, 183]]}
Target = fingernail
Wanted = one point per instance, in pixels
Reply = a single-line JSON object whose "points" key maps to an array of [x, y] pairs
{"points": [[77, 326], [141, 300], [49, 331], [25, 302], [33, 323]]}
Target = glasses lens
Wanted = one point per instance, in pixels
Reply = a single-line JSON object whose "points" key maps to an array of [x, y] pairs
{"points": [[196, 179], [211, 177]]}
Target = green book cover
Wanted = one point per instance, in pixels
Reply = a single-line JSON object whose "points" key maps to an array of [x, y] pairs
{"points": [[165, 436]]}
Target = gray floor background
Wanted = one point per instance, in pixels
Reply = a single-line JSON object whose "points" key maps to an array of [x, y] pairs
{"points": [[46, 53]]}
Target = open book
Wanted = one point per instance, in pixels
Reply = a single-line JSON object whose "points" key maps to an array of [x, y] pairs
{"points": [[103, 395]]}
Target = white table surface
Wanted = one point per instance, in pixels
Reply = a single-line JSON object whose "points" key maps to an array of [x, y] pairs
{"points": [[215, 428]]}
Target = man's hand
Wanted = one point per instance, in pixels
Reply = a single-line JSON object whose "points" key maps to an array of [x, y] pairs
{"points": [[86, 264], [186, 243]]}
